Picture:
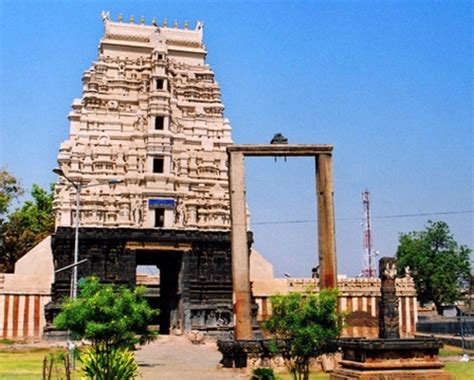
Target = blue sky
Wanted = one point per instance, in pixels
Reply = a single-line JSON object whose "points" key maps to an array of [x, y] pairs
{"points": [[388, 83]]}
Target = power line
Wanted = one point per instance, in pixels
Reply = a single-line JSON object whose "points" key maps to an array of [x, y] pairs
{"points": [[395, 216]]}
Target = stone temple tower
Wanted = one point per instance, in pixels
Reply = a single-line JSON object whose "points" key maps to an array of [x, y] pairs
{"points": [[151, 117]]}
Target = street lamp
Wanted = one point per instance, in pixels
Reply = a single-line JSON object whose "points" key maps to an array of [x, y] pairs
{"points": [[78, 186]]}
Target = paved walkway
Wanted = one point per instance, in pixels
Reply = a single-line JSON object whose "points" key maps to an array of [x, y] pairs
{"points": [[176, 358]]}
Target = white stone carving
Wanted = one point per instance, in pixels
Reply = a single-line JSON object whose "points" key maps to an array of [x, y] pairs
{"points": [[113, 135], [408, 272], [390, 270]]}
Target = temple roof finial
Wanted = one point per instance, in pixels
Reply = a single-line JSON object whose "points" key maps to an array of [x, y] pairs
{"points": [[175, 24], [142, 20], [120, 18], [132, 19], [105, 16], [278, 138], [165, 22]]}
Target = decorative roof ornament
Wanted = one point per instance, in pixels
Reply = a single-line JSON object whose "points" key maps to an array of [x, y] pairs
{"points": [[105, 16], [186, 25], [142, 20], [278, 138], [390, 270], [175, 24], [132, 19], [408, 272], [165, 23], [153, 22], [120, 18]]}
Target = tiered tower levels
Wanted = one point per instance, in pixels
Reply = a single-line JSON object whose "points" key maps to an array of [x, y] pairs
{"points": [[150, 115]]}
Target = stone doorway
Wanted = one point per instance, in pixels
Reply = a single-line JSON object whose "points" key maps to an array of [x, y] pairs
{"points": [[167, 295], [195, 267]]}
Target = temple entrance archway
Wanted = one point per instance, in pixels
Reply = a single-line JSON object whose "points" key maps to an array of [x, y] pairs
{"points": [[167, 295], [240, 248]]}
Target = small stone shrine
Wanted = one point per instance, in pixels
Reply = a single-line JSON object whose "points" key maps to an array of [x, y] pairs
{"points": [[389, 357]]}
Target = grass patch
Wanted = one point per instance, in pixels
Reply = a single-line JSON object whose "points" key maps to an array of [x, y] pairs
{"points": [[28, 364], [6, 341], [460, 370], [453, 351]]}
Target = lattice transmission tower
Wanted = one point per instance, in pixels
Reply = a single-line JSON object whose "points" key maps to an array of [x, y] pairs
{"points": [[369, 254]]}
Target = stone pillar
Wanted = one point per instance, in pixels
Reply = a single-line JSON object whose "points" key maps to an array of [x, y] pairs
{"points": [[326, 229], [240, 250], [389, 318]]}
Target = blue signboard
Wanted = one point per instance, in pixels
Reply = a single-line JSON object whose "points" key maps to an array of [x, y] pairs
{"points": [[161, 203]]}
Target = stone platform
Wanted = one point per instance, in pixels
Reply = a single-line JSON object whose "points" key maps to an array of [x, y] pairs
{"points": [[348, 374], [390, 359]]}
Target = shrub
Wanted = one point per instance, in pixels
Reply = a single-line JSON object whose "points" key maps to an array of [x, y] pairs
{"points": [[113, 319], [117, 363], [263, 374], [303, 325]]}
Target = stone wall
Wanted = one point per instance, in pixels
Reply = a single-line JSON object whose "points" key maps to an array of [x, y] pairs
{"points": [[22, 315], [24, 293], [359, 297]]}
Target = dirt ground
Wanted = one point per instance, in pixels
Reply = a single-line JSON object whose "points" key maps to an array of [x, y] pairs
{"points": [[176, 358]]}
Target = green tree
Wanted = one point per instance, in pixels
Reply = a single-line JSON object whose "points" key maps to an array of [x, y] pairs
{"points": [[10, 189], [440, 268], [113, 318], [303, 325], [26, 226]]}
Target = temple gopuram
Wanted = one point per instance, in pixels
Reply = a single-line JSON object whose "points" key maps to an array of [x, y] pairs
{"points": [[147, 144]]}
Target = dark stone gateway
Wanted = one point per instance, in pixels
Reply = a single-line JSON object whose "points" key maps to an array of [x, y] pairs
{"points": [[195, 271]]}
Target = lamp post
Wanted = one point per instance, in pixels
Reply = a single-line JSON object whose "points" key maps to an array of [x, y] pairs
{"points": [[78, 186]]}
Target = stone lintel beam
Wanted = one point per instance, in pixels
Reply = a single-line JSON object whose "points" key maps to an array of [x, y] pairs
{"points": [[281, 149]]}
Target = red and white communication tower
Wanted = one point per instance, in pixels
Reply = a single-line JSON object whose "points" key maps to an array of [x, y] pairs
{"points": [[369, 255]]}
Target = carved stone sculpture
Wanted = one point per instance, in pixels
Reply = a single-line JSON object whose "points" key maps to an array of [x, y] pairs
{"points": [[389, 317]]}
